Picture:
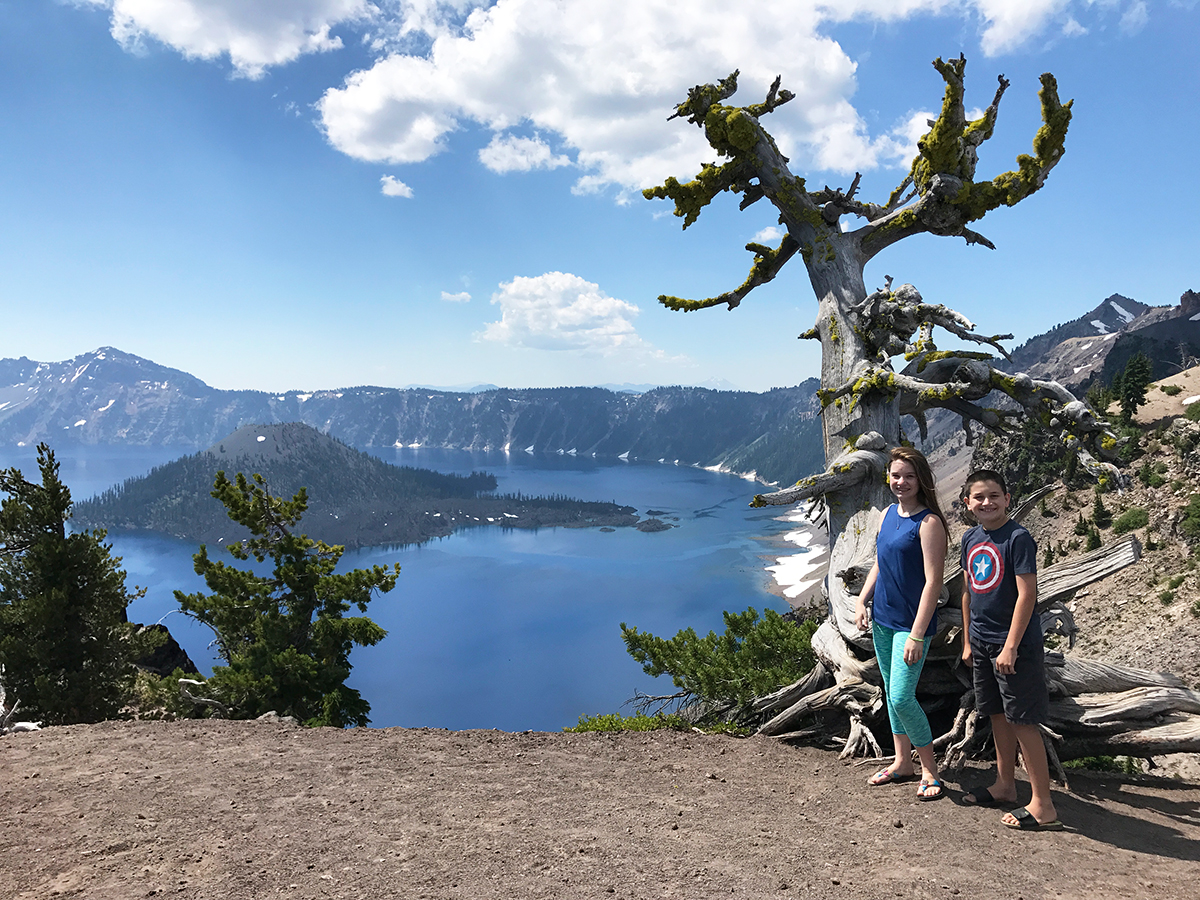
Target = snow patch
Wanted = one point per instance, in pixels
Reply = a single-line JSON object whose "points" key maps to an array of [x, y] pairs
{"points": [[1099, 326], [800, 575], [303, 397], [1188, 401], [106, 405], [1109, 337], [1195, 318], [79, 372], [80, 422], [1086, 346], [4, 404], [1122, 312], [261, 438], [1075, 371]]}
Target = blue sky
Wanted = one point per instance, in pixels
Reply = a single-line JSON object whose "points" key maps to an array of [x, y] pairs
{"points": [[305, 194]]}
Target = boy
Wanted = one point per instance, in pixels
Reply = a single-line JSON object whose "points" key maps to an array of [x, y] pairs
{"points": [[1002, 639]]}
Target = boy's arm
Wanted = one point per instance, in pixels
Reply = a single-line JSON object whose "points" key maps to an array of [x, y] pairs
{"points": [[966, 614], [1006, 662], [966, 605]]}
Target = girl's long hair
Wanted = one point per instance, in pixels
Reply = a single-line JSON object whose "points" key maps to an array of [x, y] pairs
{"points": [[926, 487]]}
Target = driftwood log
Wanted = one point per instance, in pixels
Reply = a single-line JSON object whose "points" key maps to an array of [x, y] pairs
{"points": [[1096, 708], [8, 714]]}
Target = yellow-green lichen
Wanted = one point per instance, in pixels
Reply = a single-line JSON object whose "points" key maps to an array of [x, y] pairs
{"points": [[935, 355]]}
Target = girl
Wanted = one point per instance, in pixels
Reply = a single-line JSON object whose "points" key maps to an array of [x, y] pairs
{"points": [[905, 581]]}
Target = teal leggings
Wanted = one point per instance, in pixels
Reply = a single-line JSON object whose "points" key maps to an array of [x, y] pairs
{"points": [[900, 685]]}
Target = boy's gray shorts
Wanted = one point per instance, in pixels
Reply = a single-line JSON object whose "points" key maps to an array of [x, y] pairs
{"points": [[1023, 696]]}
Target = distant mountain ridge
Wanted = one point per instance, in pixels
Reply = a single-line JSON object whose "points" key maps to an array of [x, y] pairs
{"points": [[112, 397], [1098, 344]]}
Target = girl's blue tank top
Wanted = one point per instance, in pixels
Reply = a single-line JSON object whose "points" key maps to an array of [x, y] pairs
{"points": [[901, 571]]}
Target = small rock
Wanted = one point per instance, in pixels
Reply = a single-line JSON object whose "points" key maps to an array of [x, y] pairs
{"points": [[899, 823]]}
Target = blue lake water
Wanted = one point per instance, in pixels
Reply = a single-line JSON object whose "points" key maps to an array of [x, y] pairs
{"points": [[492, 628]]}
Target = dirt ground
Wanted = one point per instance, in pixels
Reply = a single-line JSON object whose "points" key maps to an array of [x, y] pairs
{"points": [[232, 810]]}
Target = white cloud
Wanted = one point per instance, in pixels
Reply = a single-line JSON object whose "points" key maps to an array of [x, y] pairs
{"points": [[769, 235], [1010, 23], [1135, 18], [460, 297], [506, 153], [604, 95], [593, 77], [561, 311], [1072, 28], [392, 187], [598, 75], [255, 34]]}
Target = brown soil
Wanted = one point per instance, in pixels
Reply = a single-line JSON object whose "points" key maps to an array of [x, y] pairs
{"points": [[235, 810]]}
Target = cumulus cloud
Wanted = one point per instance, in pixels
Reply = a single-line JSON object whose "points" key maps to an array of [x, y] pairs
{"points": [[769, 235], [561, 311], [602, 97], [506, 153], [255, 35], [592, 76], [1010, 23], [523, 61], [460, 297], [393, 187]]}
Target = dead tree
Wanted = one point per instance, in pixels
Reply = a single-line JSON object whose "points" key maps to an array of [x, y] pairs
{"points": [[8, 714], [863, 396]]}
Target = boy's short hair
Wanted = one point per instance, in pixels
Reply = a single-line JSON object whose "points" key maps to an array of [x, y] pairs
{"points": [[984, 475]]}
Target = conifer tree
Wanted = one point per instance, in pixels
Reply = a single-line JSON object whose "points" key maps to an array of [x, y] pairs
{"points": [[284, 637], [65, 645], [1131, 387]]}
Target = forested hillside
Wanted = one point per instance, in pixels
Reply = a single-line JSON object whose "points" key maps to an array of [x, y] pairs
{"points": [[354, 499]]}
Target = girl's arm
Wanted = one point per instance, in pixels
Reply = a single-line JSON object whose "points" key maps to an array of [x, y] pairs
{"points": [[868, 589], [867, 592], [933, 550]]}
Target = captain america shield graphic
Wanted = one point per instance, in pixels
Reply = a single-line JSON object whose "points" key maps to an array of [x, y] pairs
{"points": [[985, 567]]}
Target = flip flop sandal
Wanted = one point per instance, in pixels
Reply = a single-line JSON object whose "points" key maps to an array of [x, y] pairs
{"points": [[1026, 822], [926, 785], [981, 797], [887, 776]]}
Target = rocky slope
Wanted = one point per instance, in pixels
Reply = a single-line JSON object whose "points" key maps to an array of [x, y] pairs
{"points": [[1098, 344], [110, 397]]}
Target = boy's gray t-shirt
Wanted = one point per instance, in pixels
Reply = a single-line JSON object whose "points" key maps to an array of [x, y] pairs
{"points": [[991, 562]]}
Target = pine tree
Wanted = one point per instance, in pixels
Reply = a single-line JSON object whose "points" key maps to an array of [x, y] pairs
{"points": [[65, 644], [284, 638], [1131, 386]]}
